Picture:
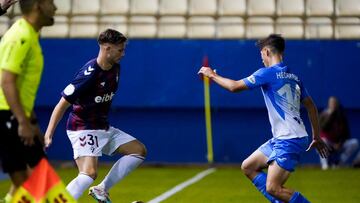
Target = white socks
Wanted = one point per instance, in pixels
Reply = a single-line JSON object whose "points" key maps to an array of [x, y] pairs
{"points": [[120, 169], [79, 184]]}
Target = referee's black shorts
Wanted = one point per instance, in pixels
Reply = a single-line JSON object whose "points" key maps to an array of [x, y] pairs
{"points": [[14, 155]]}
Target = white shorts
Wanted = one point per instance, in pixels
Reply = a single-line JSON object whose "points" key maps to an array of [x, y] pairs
{"points": [[97, 142]]}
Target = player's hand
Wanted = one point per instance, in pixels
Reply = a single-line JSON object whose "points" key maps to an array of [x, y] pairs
{"points": [[7, 3], [47, 139], [320, 146], [26, 133], [207, 72]]}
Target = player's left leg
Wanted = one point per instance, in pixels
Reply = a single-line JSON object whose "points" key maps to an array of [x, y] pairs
{"points": [[134, 153], [253, 168], [282, 161]]}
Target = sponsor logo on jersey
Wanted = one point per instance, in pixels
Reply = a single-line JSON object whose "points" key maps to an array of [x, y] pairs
{"points": [[252, 79], [105, 98], [88, 70]]}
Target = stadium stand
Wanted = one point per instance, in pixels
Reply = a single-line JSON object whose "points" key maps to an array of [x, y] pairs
{"points": [[142, 27], [63, 7], [290, 8], [15, 10], [114, 7], [261, 7], [60, 29], [114, 22], [230, 27], [202, 7], [347, 8], [297, 19], [347, 28], [91, 7], [172, 27], [319, 7], [259, 27], [173, 7], [201, 27], [144, 7], [83, 26], [232, 7], [290, 27], [318, 27]]}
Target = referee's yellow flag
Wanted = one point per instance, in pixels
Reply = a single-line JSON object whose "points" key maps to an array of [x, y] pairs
{"points": [[43, 186]]}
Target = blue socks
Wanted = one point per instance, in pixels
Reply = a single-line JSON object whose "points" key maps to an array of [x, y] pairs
{"points": [[260, 183], [298, 198]]}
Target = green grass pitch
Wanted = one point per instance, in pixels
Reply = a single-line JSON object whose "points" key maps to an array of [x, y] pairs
{"points": [[226, 185]]}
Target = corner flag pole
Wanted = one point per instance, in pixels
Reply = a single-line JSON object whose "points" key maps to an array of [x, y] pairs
{"points": [[210, 152]]}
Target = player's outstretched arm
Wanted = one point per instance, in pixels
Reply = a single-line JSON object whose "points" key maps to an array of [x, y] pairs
{"points": [[231, 85], [317, 142], [56, 116]]}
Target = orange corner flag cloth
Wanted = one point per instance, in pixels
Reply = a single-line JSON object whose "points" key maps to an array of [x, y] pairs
{"points": [[43, 186]]}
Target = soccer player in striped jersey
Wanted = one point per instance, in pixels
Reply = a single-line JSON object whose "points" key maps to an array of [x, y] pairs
{"points": [[90, 94], [283, 92]]}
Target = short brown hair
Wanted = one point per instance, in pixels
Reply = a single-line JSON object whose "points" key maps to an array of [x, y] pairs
{"points": [[275, 42], [111, 36], [27, 5]]}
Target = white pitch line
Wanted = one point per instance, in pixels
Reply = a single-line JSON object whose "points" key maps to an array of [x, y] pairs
{"points": [[181, 186]]}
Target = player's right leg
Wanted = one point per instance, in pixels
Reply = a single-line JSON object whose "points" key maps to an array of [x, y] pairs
{"points": [[87, 166], [283, 160], [253, 165], [87, 146], [133, 151]]}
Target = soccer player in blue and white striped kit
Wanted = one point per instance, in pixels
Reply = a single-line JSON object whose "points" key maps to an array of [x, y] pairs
{"points": [[283, 93], [90, 94]]}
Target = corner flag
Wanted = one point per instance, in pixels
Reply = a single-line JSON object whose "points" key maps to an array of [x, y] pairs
{"points": [[43, 186], [210, 152]]}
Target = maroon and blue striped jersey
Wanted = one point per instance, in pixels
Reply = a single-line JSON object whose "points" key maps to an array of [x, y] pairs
{"points": [[91, 93]]}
